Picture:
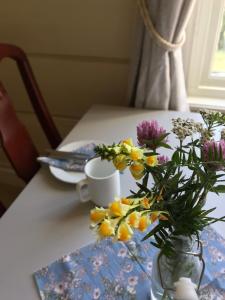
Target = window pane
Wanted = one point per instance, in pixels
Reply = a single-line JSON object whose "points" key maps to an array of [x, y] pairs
{"points": [[218, 65]]}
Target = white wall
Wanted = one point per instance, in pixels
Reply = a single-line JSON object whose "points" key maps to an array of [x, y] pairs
{"points": [[80, 53]]}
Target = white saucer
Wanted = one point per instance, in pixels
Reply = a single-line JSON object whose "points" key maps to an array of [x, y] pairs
{"points": [[70, 176]]}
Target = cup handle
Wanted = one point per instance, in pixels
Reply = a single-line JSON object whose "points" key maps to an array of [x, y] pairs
{"points": [[82, 189]]}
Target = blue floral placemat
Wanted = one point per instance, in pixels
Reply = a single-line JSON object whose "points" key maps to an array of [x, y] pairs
{"points": [[108, 270]]}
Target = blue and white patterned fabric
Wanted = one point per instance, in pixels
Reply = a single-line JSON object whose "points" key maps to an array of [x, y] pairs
{"points": [[107, 270]]}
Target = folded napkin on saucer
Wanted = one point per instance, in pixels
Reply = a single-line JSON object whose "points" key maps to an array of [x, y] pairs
{"points": [[69, 163]]}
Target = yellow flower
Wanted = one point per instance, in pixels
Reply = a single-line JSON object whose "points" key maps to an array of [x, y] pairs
{"points": [[120, 162], [124, 232], [136, 154], [154, 216], [106, 229], [151, 160], [98, 214], [126, 145], [143, 223], [117, 209], [133, 219], [117, 149], [145, 202], [128, 142], [137, 170], [127, 201]]}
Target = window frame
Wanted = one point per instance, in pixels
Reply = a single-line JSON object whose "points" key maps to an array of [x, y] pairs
{"points": [[202, 35]]}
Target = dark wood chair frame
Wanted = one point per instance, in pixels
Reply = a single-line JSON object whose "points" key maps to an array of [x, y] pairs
{"points": [[16, 141], [37, 101]]}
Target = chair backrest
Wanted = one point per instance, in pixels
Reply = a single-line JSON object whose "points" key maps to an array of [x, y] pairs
{"points": [[16, 141], [43, 115], [2, 209]]}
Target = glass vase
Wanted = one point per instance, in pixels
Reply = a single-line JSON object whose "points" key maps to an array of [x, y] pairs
{"points": [[186, 261]]}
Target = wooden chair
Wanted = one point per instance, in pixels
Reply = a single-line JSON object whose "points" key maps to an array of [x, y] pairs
{"points": [[37, 101], [15, 139], [2, 210]]}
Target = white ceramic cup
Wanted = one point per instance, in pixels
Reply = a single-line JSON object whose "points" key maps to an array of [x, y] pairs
{"points": [[102, 184]]}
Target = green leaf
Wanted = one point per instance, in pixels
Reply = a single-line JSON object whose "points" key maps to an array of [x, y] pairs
{"points": [[162, 137], [143, 187], [176, 157], [155, 245], [164, 145], [189, 157], [132, 192], [158, 240], [152, 232], [195, 156], [218, 189], [145, 179], [183, 159], [150, 153], [163, 234], [206, 212]]}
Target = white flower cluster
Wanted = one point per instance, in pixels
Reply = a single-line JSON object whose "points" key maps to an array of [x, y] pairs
{"points": [[206, 135], [185, 127], [211, 117], [208, 114]]}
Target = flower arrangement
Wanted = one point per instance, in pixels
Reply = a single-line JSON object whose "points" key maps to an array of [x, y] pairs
{"points": [[174, 198]]}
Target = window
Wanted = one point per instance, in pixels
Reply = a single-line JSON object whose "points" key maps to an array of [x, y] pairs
{"points": [[218, 62], [206, 67]]}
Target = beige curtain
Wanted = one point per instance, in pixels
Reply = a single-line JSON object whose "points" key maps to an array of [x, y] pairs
{"points": [[157, 77]]}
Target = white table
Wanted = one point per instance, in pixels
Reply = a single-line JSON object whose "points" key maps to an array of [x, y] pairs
{"points": [[47, 221]]}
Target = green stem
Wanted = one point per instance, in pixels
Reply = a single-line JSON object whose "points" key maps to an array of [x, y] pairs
{"points": [[180, 154]]}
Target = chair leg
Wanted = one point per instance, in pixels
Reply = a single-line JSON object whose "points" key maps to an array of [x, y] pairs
{"points": [[2, 209]]}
